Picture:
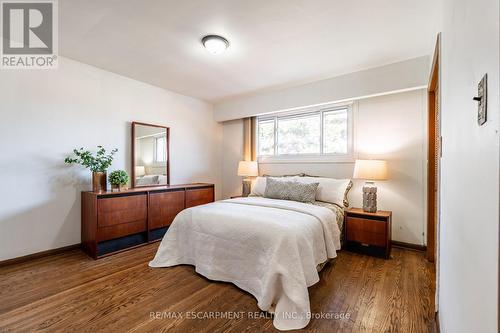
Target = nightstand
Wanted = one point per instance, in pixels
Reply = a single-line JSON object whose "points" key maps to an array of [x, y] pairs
{"points": [[368, 232]]}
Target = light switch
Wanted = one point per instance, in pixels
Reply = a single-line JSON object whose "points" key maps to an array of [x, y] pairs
{"points": [[482, 100]]}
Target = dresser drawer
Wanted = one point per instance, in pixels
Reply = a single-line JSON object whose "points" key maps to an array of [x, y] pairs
{"points": [[163, 207], [200, 196], [122, 210], [120, 230]]}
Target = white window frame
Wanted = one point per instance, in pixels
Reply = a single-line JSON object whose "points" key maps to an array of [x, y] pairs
{"points": [[155, 152], [349, 157]]}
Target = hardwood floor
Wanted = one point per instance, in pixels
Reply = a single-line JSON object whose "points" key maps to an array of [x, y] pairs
{"points": [[69, 292]]}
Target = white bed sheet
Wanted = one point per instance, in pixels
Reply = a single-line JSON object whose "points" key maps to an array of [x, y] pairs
{"points": [[269, 248]]}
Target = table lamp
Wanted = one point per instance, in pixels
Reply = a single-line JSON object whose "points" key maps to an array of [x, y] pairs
{"points": [[140, 171], [370, 170], [247, 169]]}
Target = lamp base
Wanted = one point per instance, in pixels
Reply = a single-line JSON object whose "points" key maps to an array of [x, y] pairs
{"points": [[370, 197], [247, 184]]}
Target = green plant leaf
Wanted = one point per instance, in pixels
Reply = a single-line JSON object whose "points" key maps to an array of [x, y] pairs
{"points": [[98, 162]]}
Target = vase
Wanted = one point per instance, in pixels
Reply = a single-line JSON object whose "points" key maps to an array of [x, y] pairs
{"points": [[117, 188], [99, 181], [370, 198]]}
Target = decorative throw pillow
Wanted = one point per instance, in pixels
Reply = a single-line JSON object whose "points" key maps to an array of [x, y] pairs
{"points": [[330, 189], [259, 184], [290, 190]]}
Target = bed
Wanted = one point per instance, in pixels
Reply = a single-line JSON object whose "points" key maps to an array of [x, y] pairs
{"points": [[270, 248]]}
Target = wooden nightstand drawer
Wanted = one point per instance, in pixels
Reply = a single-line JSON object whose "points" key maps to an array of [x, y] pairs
{"points": [[361, 236], [368, 225], [373, 229]]}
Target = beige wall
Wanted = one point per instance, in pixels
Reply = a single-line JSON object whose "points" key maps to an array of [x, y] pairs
{"points": [[391, 127], [47, 113]]}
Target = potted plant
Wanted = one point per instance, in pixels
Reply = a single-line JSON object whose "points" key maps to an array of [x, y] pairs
{"points": [[98, 163], [118, 179]]}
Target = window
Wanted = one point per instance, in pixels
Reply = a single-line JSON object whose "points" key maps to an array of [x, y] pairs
{"points": [[266, 137], [335, 132], [160, 149], [322, 133], [299, 134]]}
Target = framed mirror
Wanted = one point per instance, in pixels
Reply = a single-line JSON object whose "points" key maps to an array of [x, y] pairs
{"points": [[150, 155]]}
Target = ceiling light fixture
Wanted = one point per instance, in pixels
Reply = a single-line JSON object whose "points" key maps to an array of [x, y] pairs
{"points": [[215, 44]]}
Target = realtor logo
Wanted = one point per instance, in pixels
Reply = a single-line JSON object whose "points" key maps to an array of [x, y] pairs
{"points": [[29, 34]]}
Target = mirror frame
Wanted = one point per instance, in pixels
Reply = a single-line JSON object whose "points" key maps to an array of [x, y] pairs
{"points": [[167, 147]]}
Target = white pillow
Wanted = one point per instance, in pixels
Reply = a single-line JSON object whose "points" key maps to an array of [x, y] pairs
{"points": [[259, 184], [329, 189], [162, 180], [147, 180]]}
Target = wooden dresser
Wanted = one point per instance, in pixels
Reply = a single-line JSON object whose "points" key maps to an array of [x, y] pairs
{"points": [[117, 221], [368, 232]]}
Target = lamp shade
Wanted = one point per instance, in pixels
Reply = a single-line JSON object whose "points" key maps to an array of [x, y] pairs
{"points": [[248, 169], [370, 170], [140, 171]]}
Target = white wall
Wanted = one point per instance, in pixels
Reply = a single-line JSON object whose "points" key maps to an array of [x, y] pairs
{"points": [[47, 113], [401, 76], [468, 264], [391, 127]]}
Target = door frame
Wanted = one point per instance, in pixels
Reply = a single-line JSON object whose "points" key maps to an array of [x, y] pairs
{"points": [[433, 155]]}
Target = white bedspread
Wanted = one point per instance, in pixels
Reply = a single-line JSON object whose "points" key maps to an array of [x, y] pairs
{"points": [[269, 248]]}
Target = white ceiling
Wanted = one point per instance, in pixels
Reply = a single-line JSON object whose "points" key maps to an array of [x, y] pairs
{"points": [[274, 43]]}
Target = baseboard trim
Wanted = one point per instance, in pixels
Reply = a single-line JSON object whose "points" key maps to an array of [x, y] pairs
{"points": [[409, 246], [76, 246], [38, 255]]}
